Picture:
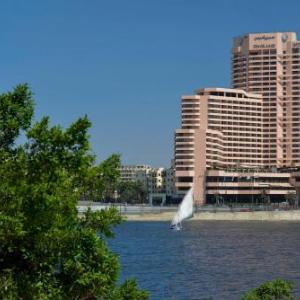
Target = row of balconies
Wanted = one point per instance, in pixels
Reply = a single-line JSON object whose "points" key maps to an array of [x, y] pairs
{"points": [[257, 53], [243, 72], [262, 80], [231, 142], [190, 126], [179, 140], [260, 69], [258, 74], [230, 118], [187, 105], [254, 103], [251, 151], [229, 111], [243, 131], [231, 99], [190, 111], [191, 143], [237, 107], [227, 114], [243, 126], [255, 144], [190, 116]]}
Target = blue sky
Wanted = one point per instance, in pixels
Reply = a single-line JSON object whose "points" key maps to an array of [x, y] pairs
{"points": [[126, 63]]}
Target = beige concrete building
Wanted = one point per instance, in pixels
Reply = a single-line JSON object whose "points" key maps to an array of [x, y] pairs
{"points": [[219, 149], [235, 143], [247, 186], [295, 181]]}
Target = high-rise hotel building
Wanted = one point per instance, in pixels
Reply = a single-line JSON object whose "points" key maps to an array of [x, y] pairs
{"points": [[269, 64], [232, 142]]}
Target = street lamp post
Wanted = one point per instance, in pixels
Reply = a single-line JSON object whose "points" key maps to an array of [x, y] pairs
{"points": [[252, 197]]}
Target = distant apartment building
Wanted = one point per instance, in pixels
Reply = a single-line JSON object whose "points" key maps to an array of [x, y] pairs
{"points": [[156, 180], [237, 144], [153, 179], [170, 182], [128, 173]]}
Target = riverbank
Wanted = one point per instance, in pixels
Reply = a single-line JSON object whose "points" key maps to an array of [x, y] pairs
{"points": [[291, 215]]}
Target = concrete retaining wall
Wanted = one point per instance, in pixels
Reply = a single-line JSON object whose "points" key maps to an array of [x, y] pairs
{"points": [[222, 216]]}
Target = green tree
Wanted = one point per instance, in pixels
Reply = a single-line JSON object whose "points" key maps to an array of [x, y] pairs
{"points": [[101, 181], [16, 114], [46, 250], [132, 192], [271, 290]]}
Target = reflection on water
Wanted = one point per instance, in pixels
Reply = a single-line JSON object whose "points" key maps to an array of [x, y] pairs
{"points": [[207, 259]]}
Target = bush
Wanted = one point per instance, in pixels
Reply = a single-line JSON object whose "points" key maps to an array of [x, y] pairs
{"points": [[271, 290]]}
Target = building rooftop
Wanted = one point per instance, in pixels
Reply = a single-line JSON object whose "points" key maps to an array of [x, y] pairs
{"points": [[237, 92]]}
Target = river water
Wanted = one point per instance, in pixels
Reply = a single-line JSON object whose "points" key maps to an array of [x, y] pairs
{"points": [[216, 259]]}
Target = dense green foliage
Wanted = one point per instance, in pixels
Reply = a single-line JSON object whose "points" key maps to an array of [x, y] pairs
{"points": [[102, 180], [271, 290], [132, 192], [46, 250]]}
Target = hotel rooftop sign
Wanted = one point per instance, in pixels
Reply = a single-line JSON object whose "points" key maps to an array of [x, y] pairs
{"points": [[262, 41], [256, 41]]}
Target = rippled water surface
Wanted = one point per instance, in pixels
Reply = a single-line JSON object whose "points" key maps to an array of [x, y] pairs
{"points": [[220, 260]]}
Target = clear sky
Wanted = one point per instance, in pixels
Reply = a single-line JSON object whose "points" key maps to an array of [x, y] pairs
{"points": [[126, 63]]}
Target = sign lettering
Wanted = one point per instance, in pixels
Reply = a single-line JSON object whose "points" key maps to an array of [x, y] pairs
{"points": [[263, 46], [264, 38]]}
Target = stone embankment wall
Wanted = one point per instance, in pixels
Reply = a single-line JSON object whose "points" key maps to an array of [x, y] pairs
{"points": [[292, 215]]}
